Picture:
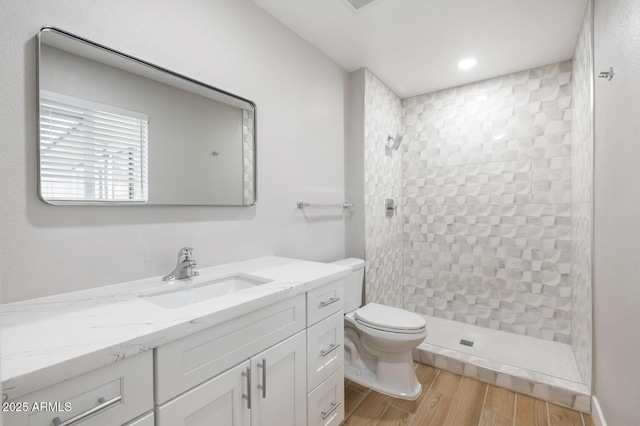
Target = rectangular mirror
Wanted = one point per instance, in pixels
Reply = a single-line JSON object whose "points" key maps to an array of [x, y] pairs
{"points": [[116, 130]]}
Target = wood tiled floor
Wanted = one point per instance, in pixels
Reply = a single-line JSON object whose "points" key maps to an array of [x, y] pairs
{"points": [[451, 400]]}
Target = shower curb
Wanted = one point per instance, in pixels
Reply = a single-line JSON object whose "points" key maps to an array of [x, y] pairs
{"points": [[541, 386]]}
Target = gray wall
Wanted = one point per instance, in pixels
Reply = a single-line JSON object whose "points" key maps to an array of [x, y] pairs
{"points": [[229, 44], [617, 205]]}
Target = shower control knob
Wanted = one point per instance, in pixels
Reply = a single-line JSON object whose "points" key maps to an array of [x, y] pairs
{"points": [[389, 208]]}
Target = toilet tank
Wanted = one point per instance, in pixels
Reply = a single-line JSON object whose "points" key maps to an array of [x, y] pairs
{"points": [[353, 284]]}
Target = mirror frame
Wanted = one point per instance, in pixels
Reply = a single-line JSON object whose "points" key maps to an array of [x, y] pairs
{"points": [[155, 68]]}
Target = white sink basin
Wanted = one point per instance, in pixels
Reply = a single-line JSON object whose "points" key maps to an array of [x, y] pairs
{"points": [[204, 289]]}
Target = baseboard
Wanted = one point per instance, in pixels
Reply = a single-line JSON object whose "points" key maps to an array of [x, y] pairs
{"points": [[596, 413]]}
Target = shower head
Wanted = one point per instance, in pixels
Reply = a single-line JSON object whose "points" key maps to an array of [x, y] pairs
{"points": [[396, 141]]}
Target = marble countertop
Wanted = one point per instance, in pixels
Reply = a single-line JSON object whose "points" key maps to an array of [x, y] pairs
{"points": [[44, 341]]}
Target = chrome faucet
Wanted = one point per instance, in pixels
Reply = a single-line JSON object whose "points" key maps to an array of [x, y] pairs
{"points": [[185, 266]]}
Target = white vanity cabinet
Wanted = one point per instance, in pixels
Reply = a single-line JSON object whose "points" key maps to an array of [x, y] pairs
{"points": [[274, 360], [325, 350], [325, 403], [268, 388], [325, 355], [216, 401], [111, 395], [148, 420], [280, 376], [191, 360], [261, 369]]}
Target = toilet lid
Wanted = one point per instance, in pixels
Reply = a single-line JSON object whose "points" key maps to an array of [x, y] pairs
{"points": [[389, 318]]}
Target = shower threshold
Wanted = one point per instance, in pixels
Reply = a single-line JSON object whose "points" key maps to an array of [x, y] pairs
{"points": [[540, 368]]}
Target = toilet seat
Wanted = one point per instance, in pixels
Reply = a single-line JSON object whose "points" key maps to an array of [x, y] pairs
{"points": [[389, 319]]}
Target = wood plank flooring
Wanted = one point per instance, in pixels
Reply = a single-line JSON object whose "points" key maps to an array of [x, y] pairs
{"points": [[451, 400]]}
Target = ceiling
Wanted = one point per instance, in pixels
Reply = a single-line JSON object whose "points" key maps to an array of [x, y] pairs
{"points": [[414, 46]]}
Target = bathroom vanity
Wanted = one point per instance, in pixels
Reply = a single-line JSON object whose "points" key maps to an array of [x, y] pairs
{"points": [[265, 351]]}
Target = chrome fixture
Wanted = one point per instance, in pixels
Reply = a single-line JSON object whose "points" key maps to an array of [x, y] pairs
{"points": [[302, 205], [334, 406], [328, 302], [331, 348], [607, 74], [247, 374], [103, 405], [396, 142], [185, 266], [390, 209], [263, 386]]}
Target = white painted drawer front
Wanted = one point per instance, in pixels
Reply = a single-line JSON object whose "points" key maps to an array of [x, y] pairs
{"points": [[218, 401], [325, 349], [147, 420], [324, 301], [189, 361], [116, 393], [325, 405]]}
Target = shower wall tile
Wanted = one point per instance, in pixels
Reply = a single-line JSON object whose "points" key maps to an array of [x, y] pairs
{"points": [[248, 172], [486, 189], [581, 193], [383, 177]]}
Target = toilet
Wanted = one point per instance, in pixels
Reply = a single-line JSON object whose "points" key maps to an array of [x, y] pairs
{"points": [[378, 340]]}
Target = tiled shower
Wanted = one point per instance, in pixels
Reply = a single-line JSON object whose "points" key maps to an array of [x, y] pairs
{"points": [[494, 182], [487, 203]]}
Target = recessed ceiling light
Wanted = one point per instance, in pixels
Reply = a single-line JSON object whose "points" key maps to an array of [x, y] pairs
{"points": [[467, 63]]}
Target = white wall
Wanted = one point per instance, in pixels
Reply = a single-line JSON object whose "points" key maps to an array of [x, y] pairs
{"points": [[582, 199], [354, 159], [617, 206], [231, 44]]}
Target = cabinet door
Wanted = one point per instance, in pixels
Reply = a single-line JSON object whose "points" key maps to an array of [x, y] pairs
{"points": [[187, 362], [326, 403], [324, 301], [218, 401], [142, 421], [325, 353], [280, 384], [111, 395]]}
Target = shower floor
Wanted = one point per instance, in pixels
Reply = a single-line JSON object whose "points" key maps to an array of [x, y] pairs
{"points": [[540, 368]]}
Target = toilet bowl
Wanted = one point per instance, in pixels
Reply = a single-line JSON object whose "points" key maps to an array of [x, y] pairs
{"points": [[379, 340]]}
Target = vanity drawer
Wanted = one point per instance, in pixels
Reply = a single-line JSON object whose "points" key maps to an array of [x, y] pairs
{"points": [[325, 349], [325, 405], [108, 396], [324, 301], [187, 362], [147, 420]]}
